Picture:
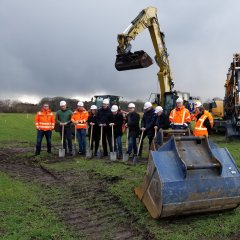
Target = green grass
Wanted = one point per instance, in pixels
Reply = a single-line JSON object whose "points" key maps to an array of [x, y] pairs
{"points": [[20, 129], [122, 178], [22, 215]]}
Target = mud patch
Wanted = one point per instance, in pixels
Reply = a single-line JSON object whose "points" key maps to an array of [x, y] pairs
{"points": [[80, 199]]}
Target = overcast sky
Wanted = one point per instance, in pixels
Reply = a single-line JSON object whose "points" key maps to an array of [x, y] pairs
{"points": [[68, 47]]}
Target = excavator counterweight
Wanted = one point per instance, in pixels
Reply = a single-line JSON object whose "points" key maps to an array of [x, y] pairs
{"points": [[130, 61]]}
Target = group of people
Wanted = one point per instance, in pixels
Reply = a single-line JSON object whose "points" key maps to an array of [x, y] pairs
{"points": [[108, 122]]}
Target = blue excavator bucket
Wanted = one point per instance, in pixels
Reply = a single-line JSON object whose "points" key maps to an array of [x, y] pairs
{"points": [[189, 175]]}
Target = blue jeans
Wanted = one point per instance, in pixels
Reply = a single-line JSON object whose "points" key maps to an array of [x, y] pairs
{"points": [[118, 145], [81, 136], [40, 135], [132, 145]]}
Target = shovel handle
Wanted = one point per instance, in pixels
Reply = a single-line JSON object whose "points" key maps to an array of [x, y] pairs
{"points": [[75, 135], [127, 138], [91, 136], [101, 137], [140, 143], [62, 134], [112, 138]]}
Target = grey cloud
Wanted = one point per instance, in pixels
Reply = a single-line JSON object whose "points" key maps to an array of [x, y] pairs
{"points": [[67, 48]]}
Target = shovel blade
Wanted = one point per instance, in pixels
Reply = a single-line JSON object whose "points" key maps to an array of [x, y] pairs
{"points": [[100, 154], [61, 152], [125, 157], [135, 160], [113, 156], [89, 154]]}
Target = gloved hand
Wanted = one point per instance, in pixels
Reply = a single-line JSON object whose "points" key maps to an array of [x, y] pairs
{"points": [[172, 126], [185, 126]]}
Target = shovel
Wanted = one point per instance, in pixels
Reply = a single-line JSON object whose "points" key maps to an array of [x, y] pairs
{"points": [[135, 159], [154, 139], [125, 154], [89, 152], [75, 142], [100, 152], [113, 154], [61, 151]]}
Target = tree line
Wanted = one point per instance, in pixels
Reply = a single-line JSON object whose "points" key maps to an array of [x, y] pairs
{"points": [[15, 106]]}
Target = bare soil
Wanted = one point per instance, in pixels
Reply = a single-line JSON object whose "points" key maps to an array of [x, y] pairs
{"points": [[80, 199]]}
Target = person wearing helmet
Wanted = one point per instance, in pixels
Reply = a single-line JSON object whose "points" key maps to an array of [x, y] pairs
{"points": [[132, 123], [117, 122], [44, 121], [179, 117], [79, 119], [160, 123], [92, 122], [147, 124], [202, 123], [63, 118], [103, 120], [194, 116]]}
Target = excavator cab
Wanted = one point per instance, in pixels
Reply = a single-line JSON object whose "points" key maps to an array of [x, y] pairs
{"points": [[130, 61]]}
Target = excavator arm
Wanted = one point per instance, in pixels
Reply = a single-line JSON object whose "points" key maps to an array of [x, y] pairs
{"points": [[126, 60]]}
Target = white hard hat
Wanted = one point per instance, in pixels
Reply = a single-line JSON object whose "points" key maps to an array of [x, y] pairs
{"points": [[158, 109], [93, 107], [114, 108], [131, 105], [106, 101], [197, 104], [147, 105], [80, 104], [179, 100], [63, 103]]}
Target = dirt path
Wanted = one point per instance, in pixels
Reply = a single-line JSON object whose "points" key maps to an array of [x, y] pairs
{"points": [[81, 201]]}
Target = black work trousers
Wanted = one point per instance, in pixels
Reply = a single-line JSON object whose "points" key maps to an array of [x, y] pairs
{"points": [[150, 138], [67, 138], [107, 137]]}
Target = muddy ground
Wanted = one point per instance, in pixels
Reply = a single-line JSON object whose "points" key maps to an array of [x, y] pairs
{"points": [[81, 201]]}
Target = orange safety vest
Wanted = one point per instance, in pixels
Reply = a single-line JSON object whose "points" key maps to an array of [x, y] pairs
{"points": [[45, 120], [179, 116], [81, 117], [199, 129], [210, 117]]}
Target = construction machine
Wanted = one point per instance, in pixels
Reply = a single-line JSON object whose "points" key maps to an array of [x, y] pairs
{"points": [[227, 111], [113, 99], [186, 174]]}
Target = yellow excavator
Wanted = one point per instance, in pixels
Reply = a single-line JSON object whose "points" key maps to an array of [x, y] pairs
{"points": [[126, 60], [186, 174], [227, 111]]}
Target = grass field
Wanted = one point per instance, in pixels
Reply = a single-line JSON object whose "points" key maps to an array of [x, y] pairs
{"points": [[18, 197]]}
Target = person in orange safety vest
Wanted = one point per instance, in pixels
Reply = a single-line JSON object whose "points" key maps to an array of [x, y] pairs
{"points": [[203, 122], [179, 117], [194, 115], [79, 119], [44, 122]]}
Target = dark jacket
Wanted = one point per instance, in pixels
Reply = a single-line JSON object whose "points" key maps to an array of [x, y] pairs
{"points": [[148, 122], [118, 121], [96, 129], [104, 116], [206, 123], [162, 121], [132, 120]]}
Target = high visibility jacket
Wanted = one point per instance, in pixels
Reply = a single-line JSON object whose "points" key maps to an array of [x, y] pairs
{"points": [[81, 117], [210, 117], [179, 116], [45, 120], [200, 129]]}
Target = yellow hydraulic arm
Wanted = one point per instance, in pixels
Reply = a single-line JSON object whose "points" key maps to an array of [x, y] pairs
{"points": [[147, 18]]}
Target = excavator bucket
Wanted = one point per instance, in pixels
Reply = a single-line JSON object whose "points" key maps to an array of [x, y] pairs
{"points": [[189, 175], [136, 60]]}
